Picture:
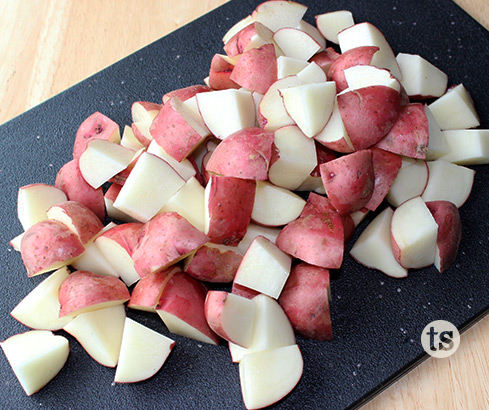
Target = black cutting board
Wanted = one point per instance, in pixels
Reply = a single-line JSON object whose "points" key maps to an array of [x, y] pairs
{"points": [[377, 320]]}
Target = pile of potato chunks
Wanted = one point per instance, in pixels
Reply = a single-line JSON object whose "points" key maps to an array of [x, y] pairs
{"points": [[210, 185]]}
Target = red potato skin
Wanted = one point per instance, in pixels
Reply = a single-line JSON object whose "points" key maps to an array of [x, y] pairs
{"points": [[213, 306], [83, 288], [305, 301], [237, 44], [173, 133], [256, 70], [46, 243], [230, 206], [244, 154], [355, 56], [186, 92], [97, 126], [112, 192], [184, 297], [349, 181], [243, 291], [386, 166], [70, 180], [369, 113], [86, 223], [165, 240], [149, 106], [126, 235], [410, 134], [325, 59], [447, 217], [148, 290], [209, 264], [220, 73], [143, 139], [316, 238], [320, 204]]}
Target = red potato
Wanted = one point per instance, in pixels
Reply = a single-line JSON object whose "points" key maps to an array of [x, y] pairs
{"points": [[318, 204], [253, 35], [211, 264], [147, 292], [186, 92], [141, 133], [96, 126], [177, 130], [447, 217], [355, 56], [84, 291], [317, 238], [165, 240], [386, 165], [181, 307], [121, 177], [109, 198], [244, 154], [256, 70], [369, 113], [49, 245], [78, 217], [220, 73], [229, 204], [325, 59], [306, 301], [70, 180], [230, 316], [409, 135], [244, 291], [349, 181]]}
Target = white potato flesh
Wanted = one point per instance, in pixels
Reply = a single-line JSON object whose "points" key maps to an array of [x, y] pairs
{"points": [[331, 23], [467, 147], [237, 319], [296, 43], [361, 76], [100, 333], [415, 232], [437, 144], [143, 352], [373, 247], [287, 66], [94, 261], [410, 181], [36, 357], [312, 73], [184, 168], [278, 14], [264, 268], [151, 183], [269, 375], [182, 328], [40, 308], [129, 140], [252, 232]]}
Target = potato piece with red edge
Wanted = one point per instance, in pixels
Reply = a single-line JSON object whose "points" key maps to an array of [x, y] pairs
{"points": [[243, 291], [70, 180], [34, 200], [317, 238], [147, 292], [349, 181], [49, 245], [181, 307], [177, 129], [143, 114], [83, 291], [305, 299], [165, 240], [251, 36], [386, 166], [229, 204], [325, 59], [318, 204], [78, 217], [230, 316], [186, 92], [96, 126], [121, 177], [213, 263], [220, 73], [112, 212], [369, 113], [410, 133], [447, 217], [117, 244], [244, 154], [355, 56], [256, 69]]}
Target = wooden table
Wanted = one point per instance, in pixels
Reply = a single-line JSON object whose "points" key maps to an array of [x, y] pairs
{"points": [[47, 46]]}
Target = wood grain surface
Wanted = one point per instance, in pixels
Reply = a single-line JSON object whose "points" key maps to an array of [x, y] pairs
{"points": [[47, 46]]}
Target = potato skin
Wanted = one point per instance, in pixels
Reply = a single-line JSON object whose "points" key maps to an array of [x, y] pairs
{"points": [[369, 113], [83, 288], [46, 243], [305, 300]]}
